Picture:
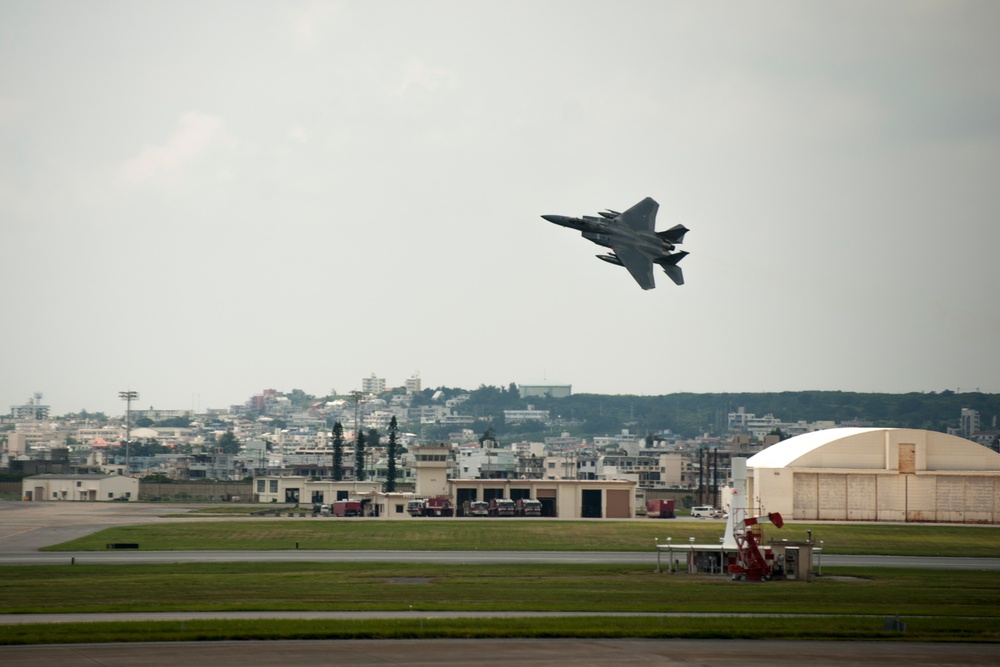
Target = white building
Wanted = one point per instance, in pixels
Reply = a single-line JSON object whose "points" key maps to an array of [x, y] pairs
{"points": [[373, 385], [306, 491], [79, 487], [552, 390], [878, 474], [518, 416], [970, 422]]}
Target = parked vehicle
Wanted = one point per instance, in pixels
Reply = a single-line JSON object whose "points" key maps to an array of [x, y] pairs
{"points": [[347, 508], [660, 509], [436, 506], [502, 507], [439, 506], [476, 508], [705, 512], [529, 507]]}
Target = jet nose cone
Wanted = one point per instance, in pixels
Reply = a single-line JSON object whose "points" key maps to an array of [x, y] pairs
{"points": [[558, 219]]}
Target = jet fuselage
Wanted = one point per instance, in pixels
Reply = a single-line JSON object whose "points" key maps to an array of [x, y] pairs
{"points": [[633, 240]]}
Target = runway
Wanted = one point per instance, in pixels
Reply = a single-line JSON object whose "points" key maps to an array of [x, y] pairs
{"points": [[117, 557], [25, 528], [505, 652]]}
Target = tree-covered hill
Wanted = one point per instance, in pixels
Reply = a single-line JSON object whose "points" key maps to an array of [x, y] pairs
{"points": [[693, 414]]}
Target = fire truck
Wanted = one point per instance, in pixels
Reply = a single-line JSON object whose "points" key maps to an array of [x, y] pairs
{"points": [[529, 507], [439, 506], [476, 508], [502, 507]]}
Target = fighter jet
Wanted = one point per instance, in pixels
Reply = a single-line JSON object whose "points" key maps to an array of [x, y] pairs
{"points": [[633, 240]]}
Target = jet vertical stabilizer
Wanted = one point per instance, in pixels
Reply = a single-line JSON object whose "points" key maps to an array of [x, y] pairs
{"points": [[674, 235], [669, 264]]}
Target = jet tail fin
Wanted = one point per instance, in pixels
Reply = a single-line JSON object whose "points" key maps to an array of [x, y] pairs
{"points": [[669, 264], [674, 235]]}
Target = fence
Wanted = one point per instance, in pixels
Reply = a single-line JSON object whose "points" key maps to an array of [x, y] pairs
{"points": [[184, 491], [197, 491]]}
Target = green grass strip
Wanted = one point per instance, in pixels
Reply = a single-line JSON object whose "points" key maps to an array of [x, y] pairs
{"points": [[518, 535], [842, 628], [529, 587]]}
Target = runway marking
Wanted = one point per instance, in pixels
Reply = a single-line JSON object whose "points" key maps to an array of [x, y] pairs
{"points": [[20, 532]]}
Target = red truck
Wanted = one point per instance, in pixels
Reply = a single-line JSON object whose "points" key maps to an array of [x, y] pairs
{"points": [[660, 509], [502, 507], [436, 506], [529, 507], [439, 506], [347, 508]]}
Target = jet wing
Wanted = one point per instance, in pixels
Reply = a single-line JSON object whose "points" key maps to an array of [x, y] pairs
{"points": [[637, 263], [642, 216]]}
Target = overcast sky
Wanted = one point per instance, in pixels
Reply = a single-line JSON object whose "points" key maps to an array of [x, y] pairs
{"points": [[201, 200]]}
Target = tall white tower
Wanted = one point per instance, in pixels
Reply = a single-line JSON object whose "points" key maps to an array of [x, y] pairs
{"points": [[432, 462]]}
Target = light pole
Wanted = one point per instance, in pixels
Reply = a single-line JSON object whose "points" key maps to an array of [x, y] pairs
{"points": [[128, 397]]}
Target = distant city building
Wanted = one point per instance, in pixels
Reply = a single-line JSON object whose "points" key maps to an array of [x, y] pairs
{"points": [[970, 423], [373, 385], [161, 415], [33, 409], [413, 385], [747, 422], [545, 390], [518, 416]]}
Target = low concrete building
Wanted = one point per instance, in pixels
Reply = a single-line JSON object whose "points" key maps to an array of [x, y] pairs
{"points": [[878, 474], [563, 498], [80, 487], [310, 491], [391, 505]]}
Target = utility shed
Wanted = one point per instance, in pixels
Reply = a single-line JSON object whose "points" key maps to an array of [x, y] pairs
{"points": [[878, 474], [80, 487]]}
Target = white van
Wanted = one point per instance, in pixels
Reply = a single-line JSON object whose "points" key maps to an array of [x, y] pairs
{"points": [[704, 512]]}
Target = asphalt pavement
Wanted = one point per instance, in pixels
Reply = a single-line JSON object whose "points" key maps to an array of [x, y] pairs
{"points": [[27, 527], [504, 652]]}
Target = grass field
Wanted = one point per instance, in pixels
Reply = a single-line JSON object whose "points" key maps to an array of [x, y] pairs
{"points": [[936, 605], [517, 535], [656, 627], [479, 587]]}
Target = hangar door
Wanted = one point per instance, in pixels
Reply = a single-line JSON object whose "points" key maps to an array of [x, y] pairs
{"points": [[548, 499], [590, 504], [618, 504]]}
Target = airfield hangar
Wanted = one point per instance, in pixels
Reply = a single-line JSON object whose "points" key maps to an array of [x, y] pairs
{"points": [[878, 474]]}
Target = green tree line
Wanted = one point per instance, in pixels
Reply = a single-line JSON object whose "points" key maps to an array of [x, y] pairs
{"points": [[689, 414]]}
